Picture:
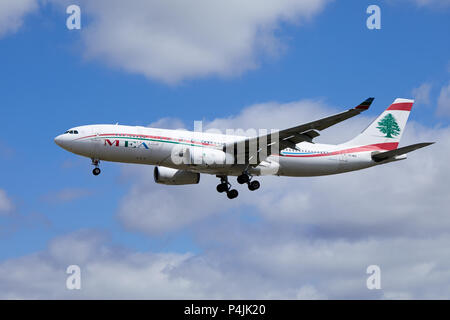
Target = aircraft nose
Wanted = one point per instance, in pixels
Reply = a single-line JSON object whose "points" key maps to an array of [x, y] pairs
{"points": [[59, 140]]}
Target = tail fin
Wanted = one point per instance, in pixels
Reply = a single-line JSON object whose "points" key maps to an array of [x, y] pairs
{"points": [[386, 131]]}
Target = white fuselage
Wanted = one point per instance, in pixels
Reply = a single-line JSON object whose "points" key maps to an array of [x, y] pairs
{"points": [[142, 145]]}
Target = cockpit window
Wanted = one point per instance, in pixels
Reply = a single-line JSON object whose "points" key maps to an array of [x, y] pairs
{"points": [[71, 132]]}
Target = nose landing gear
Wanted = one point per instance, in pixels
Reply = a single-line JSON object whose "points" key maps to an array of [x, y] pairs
{"points": [[96, 170]]}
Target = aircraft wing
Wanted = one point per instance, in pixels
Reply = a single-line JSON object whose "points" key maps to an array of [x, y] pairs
{"points": [[255, 149], [378, 157]]}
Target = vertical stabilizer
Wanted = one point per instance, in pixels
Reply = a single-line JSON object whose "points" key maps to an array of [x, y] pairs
{"points": [[386, 131]]}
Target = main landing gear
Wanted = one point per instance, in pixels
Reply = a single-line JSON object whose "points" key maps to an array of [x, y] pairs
{"points": [[225, 186], [246, 178], [96, 170]]}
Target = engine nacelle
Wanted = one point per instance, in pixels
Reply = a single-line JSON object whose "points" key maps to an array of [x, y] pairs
{"points": [[169, 176]]}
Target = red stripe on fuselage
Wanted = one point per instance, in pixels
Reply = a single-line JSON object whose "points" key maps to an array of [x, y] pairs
{"points": [[86, 137], [372, 147], [405, 106], [132, 135]]}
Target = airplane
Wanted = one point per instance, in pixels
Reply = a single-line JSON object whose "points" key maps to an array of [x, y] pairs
{"points": [[180, 156]]}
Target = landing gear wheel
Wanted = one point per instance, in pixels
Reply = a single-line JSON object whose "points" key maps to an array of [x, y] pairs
{"points": [[243, 178], [222, 187], [254, 185], [96, 171], [233, 193]]}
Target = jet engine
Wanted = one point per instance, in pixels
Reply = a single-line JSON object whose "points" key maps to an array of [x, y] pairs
{"points": [[169, 176]]}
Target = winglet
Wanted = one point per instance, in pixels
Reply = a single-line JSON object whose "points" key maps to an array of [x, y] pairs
{"points": [[365, 104]]}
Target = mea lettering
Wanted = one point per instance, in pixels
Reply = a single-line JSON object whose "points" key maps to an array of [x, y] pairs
{"points": [[126, 144]]}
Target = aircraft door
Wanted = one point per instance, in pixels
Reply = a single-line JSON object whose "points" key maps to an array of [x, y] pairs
{"points": [[342, 160], [95, 143]]}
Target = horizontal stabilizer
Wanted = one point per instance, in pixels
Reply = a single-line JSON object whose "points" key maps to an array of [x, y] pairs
{"points": [[378, 157]]}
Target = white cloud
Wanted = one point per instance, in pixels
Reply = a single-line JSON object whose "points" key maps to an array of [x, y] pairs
{"points": [[175, 40], [6, 205], [149, 208], [308, 292], [168, 123], [105, 271], [421, 94], [12, 13], [443, 106], [249, 263], [272, 115]]}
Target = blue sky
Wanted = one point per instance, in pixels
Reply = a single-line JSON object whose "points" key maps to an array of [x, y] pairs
{"points": [[49, 81]]}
